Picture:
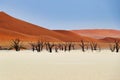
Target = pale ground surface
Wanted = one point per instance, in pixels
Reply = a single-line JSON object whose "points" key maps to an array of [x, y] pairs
{"points": [[76, 65]]}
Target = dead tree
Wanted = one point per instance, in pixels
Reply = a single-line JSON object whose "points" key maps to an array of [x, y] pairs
{"points": [[73, 46], [39, 46], [65, 47], [82, 45], [56, 48], [16, 44], [93, 46], [69, 46], [112, 47], [33, 46], [61, 47], [50, 47], [117, 47], [46, 46]]}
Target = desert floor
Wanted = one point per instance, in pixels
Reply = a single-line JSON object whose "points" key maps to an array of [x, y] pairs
{"points": [[74, 65]]}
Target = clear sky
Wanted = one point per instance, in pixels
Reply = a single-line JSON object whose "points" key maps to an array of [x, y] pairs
{"points": [[66, 14]]}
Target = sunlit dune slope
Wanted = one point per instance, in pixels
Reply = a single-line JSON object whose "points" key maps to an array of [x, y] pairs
{"points": [[75, 37], [110, 39], [99, 33], [15, 26]]}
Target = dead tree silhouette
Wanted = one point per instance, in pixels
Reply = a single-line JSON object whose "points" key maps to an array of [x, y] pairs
{"points": [[82, 45], [50, 47], [94, 46], [46, 45], [33, 45], [73, 46], [61, 46], [16, 44], [56, 48], [65, 47], [115, 47], [112, 47], [70, 46], [39, 46]]}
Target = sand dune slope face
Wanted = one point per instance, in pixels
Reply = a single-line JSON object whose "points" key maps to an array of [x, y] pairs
{"points": [[74, 36], [110, 39], [17, 27], [99, 33], [11, 28]]}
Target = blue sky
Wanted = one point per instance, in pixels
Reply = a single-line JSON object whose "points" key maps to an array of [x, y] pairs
{"points": [[66, 14]]}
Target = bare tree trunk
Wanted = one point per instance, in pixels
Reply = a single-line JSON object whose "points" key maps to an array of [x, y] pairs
{"points": [[56, 48], [69, 46], [39, 46], [93, 46], [33, 46], [82, 45], [117, 47], [65, 47], [50, 46], [73, 46], [112, 47], [16, 44]]}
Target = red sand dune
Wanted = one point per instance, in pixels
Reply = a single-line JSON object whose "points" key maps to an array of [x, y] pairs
{"points": [[99, 33], [16, 28], [73, 36], [110, 39], [11, 27]]}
